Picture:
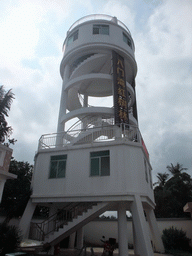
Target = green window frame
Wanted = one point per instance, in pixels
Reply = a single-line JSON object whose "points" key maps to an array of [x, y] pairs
{"points": [[100, 29], [127, 40], [58, 166], [73, 37], [100, 163]]}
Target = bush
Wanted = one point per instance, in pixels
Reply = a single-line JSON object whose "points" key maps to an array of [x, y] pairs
{"points": [[10, 238], [174, 239]]}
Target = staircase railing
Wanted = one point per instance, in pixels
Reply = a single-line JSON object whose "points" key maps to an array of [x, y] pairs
{"points": [[39, 231]]}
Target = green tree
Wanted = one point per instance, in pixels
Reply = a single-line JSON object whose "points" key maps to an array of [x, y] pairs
{"points": [[172, 194], [176, 170], [162, 178], [10, 238], [6, 99], [17, 192]]}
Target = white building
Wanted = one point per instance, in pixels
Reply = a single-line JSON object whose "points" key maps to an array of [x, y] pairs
{"points": [[100, 162]]}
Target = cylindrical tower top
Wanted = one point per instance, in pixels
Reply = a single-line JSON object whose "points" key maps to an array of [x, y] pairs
{"points": [[98, 17]]}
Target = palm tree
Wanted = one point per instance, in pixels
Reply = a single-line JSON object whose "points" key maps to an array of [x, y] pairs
{"points": [[162, 178], [176, 170], [6, 99]]}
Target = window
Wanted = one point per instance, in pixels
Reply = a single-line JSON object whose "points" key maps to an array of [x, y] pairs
{"points": [[73, 37], [58, 166], [100, 163], [127, 40], [101, 29], [146, 173], [150, 177]]}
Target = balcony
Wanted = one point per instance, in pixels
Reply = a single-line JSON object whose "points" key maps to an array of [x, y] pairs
{"points": [[90, 135]]}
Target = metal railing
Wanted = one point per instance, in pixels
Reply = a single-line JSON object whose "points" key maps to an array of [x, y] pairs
{"points": [[39, 231], [97, 17], [90, 135]]}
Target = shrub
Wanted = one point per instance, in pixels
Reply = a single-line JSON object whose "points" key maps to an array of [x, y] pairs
{"points": [[10, 238], [175, 239]]}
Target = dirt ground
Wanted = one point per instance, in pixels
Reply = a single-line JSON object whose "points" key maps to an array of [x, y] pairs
{"points": [[97, 252]]}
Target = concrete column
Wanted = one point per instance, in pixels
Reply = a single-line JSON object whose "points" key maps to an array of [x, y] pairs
{"points": [[25, 221], [80, 233], [2, 183], [135, 241], [154, 230], [122, 231], [142, 242], [63, 102], [52, 211], [72, 240]]}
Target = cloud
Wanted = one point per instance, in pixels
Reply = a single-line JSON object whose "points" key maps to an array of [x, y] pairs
{"points": [[163, 54], [122, 11]]}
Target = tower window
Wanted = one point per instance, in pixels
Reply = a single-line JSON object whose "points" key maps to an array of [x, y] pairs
{"points": [[58, 166], [73, 37], [146, 173], [100, 163], [100, 29], [127, 40]]}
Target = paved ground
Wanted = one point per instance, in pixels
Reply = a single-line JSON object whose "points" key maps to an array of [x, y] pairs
{"points": [[98, 252]]}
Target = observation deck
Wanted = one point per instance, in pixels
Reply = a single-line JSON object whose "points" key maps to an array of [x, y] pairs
{"points": [[98, 17]]}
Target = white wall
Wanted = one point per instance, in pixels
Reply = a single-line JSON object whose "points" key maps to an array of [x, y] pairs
{"points": [[94, 230], [127, 174]]}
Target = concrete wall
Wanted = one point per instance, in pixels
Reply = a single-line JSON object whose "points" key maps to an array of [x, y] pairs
{"points": [[94, 231], [127, 174]]}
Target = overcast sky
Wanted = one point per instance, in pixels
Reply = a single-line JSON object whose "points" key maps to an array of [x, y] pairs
{"points": [[31, 37]]}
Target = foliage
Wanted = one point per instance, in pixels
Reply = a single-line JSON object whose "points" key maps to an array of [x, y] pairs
{"points": [[41, 212], [6, 99], [17, 192], [175, 239], [177, 169], [172, 194], [10, 238]]}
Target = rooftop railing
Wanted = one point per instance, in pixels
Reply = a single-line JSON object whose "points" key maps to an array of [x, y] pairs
{"points": [[99, 17], [90, 135]]}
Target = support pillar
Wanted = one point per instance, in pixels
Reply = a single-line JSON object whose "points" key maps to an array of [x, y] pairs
{"points": [[154, 230], [63, 102], [122, 231], [80, 233], [72, 241], [141, 232], [25, 221], [52, 211], [2, 184]]}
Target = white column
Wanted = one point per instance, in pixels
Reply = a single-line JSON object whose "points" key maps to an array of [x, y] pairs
{"points": [[141, 232], [154, 230], [2, 183], [72, 240], [52, 211], [122, 231], [80, 233], [135, 241], [63, 102], [25, 221]]}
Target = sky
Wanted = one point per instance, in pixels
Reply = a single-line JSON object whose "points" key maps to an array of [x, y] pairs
{"points": [[32, 33]]}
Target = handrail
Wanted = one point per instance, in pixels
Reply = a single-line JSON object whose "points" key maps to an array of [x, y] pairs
{"points": [[60, 218], [98, 17], [87, 135]]}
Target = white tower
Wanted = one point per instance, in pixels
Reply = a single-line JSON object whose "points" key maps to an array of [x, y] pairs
{"points": [[97, 160]]}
